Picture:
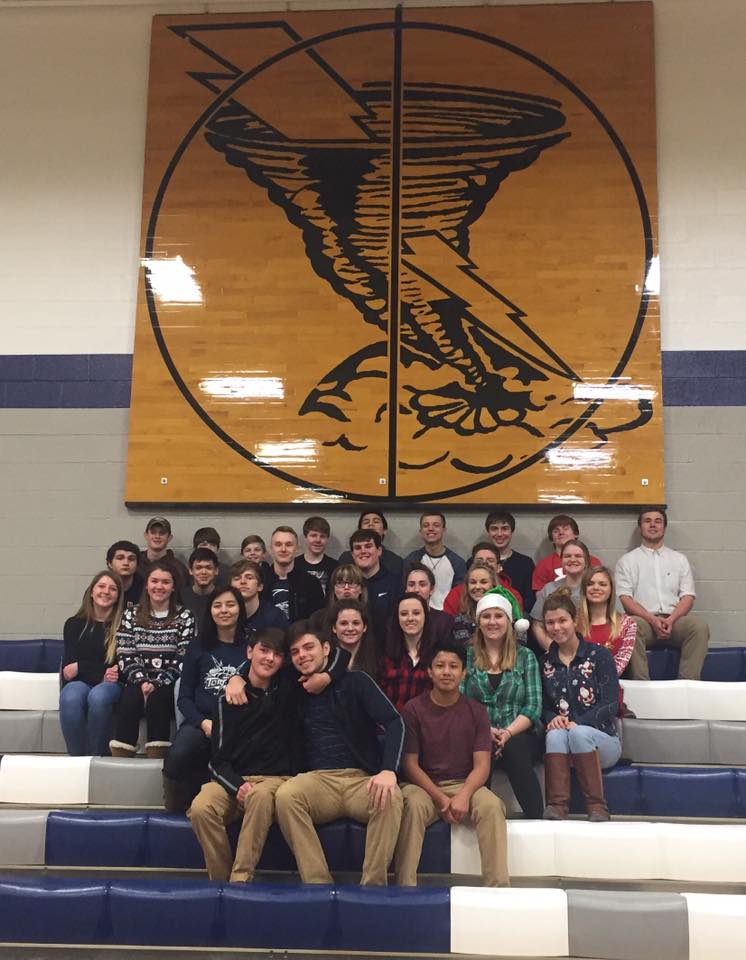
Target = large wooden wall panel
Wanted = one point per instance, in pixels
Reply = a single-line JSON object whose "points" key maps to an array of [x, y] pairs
{"points": [[413, 254]]}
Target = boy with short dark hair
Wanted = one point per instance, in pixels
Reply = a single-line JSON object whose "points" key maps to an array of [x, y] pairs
{"points": [[373, 518], [203, 572], [560, 530], [447, 566], [248, 578], [500, 527], [447, 762], [254, 751], [314, 560], [350, 772], [158, 535], [210, 538], [122, 558]]}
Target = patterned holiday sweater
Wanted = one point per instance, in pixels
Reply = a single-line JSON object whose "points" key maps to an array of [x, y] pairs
{"points": [[586, 691], [153, 653]]}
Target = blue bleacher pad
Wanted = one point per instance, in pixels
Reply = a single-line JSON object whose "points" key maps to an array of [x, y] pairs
{"points": [[663, 663], [722, 664], [436, 850], [394, 919], [725, 665], [622, 790], [53, 911], [51, 658], [690, 792], [264, 915], [155, 913], [25, 656], [89, 838], [171, 842]]}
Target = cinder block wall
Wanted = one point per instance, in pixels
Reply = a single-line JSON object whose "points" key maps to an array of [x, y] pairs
{"points": [[74, 124]]}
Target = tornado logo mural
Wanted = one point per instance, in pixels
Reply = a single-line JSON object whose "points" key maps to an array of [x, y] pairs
{"points": [[422, 294]]}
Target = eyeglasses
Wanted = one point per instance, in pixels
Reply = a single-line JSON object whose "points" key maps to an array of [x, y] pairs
{"points": [[346, 583]]}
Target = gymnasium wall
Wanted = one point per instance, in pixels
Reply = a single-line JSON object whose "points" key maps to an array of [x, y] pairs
{"points": [[73, 139]]}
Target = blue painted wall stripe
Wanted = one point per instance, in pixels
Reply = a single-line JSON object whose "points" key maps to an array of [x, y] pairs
{"points": [[691, 378]]}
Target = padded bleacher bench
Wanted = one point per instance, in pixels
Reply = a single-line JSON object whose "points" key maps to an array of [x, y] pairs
{"points": [[685, 700], [29, 691], [44, 780], [124, 782], [31, 656]]}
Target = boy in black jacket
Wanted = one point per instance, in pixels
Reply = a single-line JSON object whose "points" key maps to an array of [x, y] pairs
{"points": [[349, 774]]}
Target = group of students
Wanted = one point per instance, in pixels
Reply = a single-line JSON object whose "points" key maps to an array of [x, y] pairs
{"points": [[305, 686]]}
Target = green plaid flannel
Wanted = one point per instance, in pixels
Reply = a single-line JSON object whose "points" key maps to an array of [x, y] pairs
{"points": [[519, 691]]}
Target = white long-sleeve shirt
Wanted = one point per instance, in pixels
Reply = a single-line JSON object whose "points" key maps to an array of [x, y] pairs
{"points": [[656, 579]]}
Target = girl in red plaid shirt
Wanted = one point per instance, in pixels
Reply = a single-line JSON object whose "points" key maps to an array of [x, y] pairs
{"points": [[402, 674]]}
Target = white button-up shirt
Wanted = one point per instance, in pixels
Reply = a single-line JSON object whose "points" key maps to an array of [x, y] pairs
{"points": [[656, 579]]}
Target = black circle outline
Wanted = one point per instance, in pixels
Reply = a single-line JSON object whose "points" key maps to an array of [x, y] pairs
{"points": [[335, 35]]}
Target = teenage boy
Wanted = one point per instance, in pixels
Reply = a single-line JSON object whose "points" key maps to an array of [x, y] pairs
{"points": [[350, 773], [656, 586], [314, 560], [203, 572], [248, 578], [420, 580], [254, 751], [500, 527], [447, 566], [157, 537], [446, 763], [122, 558], [371, 518], [383, 586], [485, 552], [295, 594], [561, 530], [210, 538]]}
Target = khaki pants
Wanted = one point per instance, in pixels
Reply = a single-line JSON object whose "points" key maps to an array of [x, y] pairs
{"points": [[214, 808], [324, 795], [487, 813], [690, 633]]}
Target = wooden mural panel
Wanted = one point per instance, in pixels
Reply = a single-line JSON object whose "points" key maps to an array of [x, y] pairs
{"points": [[400, 255]]}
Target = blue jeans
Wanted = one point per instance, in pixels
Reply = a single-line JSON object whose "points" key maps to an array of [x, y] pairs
{"points": [[85, 717], [583, 740]]}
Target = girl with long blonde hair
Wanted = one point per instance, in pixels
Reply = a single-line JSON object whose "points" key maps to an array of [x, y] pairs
{"points": [[90, 687]]}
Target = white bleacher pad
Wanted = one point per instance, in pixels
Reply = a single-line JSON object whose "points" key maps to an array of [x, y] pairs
{"points": [[619, 851], [658, 699], [507, 922], [717, 701], [717, 925], [685, 699], [46, 780], [29, 691], [530, 849], [704, 852]]}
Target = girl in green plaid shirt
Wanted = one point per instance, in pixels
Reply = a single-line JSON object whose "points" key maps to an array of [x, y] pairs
{"points": [[504, 676]]}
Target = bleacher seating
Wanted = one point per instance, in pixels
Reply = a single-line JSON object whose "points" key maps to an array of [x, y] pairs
{"points": [[685, 699], [608, 925], [31, 656], [681, 727]]}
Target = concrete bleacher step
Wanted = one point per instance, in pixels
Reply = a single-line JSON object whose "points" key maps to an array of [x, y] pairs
{"points": [[608, 925]]}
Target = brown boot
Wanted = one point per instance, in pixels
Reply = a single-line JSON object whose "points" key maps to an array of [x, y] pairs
{"points": [[588, 769], [177, 795], [119, 749], [557, 783], [156, 749]]}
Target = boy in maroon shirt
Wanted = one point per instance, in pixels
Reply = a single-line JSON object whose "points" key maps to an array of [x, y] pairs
{"points": [[447, 761]]}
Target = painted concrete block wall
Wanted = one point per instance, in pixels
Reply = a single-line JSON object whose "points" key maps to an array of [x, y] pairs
{"points": [[61, 497], [72, 171]]}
